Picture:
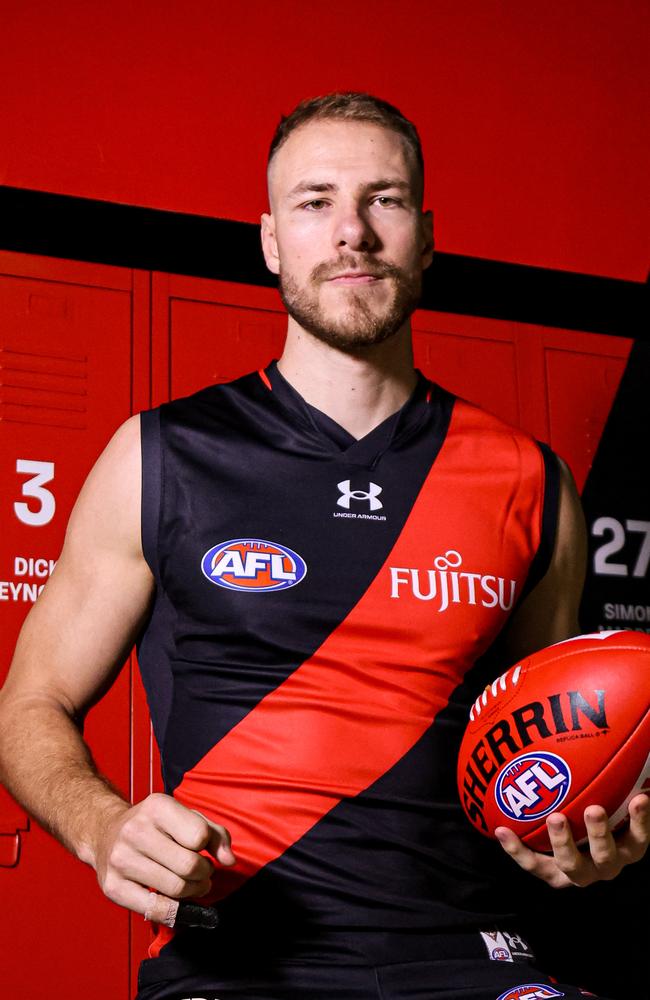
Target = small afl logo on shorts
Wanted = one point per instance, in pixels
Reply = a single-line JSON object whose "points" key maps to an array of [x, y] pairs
{"points": [[531, 991], [253, 564], [532, 785]]}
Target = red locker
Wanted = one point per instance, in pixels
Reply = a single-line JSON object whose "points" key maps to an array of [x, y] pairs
{"points": [[557, 384], [69, 335], [207, 331]]}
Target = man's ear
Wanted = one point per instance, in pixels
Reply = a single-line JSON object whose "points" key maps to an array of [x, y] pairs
{"points": [[270, 244], [427, 238]]}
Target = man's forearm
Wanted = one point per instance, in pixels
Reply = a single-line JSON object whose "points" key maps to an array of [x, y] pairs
{"points": [[48, 768]]}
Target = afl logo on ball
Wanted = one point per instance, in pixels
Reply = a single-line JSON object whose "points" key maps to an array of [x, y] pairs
{"points": [[530, 991], [253, 564], [532, 785]]}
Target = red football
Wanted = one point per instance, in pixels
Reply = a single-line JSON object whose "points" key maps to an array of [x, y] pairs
{"points": [[565, 728]]}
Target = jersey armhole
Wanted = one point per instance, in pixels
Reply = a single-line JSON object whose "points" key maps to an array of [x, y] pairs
{"points": [[151, 486], [548, 528]]}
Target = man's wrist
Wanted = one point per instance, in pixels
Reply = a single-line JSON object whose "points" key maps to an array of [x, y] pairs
{"points": [[103, 815]]}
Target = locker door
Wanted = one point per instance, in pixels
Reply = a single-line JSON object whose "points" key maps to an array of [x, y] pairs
{"points": [[208, 331], [67, 335], [580, 375], [557, 384], [475, 358]]}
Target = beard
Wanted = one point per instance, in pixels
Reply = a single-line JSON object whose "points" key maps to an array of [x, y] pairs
{"points": [[357, 323]]}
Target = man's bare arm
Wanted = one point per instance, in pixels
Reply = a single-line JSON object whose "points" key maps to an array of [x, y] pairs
{"points": [[69, 651], [550, 614]]}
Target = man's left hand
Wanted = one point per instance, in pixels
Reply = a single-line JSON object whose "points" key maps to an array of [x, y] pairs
{"points": [[603, 858]]}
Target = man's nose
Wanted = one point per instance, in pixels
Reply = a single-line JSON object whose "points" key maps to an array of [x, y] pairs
{"points": [[353, 230]]}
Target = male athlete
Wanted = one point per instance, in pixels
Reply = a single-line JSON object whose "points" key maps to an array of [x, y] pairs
{"points": [[322, 563]]}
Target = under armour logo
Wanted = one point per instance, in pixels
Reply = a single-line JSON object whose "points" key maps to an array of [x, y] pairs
{"points": [[350, 494]]}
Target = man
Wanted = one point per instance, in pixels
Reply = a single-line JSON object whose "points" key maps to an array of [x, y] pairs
{"points": [[282, 549]]}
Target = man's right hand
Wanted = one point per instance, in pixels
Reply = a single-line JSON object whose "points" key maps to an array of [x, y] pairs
{"points": [[157, 845]]}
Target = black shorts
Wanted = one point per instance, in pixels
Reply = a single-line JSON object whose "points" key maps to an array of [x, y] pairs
{"points": [[455, 979]]}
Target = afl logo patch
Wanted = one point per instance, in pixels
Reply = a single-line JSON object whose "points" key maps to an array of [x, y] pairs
{"points": [[253, 564], [530, 991], [532, 785]]}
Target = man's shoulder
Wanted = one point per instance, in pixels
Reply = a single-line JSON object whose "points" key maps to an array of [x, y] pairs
{"points": [[217, 390], [477, 419], [209, 400]]}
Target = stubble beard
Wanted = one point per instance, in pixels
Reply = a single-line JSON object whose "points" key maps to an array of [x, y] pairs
{"points": [[357, 325]]}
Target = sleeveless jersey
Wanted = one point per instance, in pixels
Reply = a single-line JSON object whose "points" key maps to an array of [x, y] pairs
{"points": [[326, 609]]}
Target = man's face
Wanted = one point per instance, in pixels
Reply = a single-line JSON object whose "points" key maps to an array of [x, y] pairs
{"points": [[346, 233]]}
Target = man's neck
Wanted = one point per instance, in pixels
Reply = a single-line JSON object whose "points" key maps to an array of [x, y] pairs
{"points": [[359, 391]]}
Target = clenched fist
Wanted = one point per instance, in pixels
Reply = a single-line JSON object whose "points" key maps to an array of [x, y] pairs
{"points": [[156, 844]]}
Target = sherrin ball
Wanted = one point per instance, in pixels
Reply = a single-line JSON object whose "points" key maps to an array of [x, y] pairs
{"points": [[565, 728]]}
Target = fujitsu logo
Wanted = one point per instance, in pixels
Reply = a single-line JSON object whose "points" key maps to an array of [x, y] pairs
{"points": [[447, 584], [350, 494]]}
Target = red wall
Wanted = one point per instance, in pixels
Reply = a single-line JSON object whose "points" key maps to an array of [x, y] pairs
{"points": [[533, 115]]}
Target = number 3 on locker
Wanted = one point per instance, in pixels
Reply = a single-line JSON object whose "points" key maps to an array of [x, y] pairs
{"points": [[40, 472]]}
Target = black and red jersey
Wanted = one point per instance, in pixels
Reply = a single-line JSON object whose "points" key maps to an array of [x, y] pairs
{"points": [[324, 611]]}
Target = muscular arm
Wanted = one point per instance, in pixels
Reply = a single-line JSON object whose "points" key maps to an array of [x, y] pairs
{"points": [[69, 651], [550, 612], [548, 615]]}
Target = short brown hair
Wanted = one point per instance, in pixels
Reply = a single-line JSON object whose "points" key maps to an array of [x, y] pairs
{"points": [[350, 106]]}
